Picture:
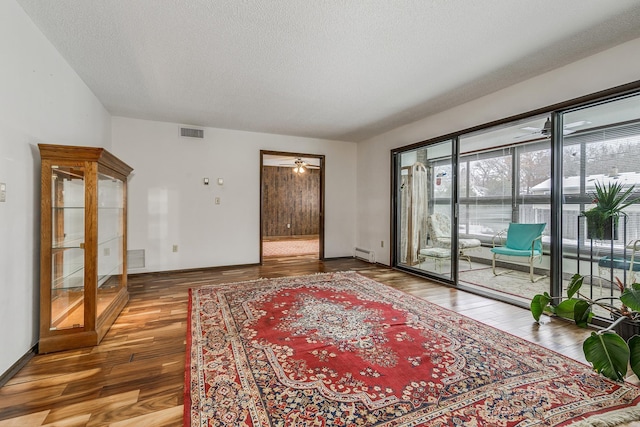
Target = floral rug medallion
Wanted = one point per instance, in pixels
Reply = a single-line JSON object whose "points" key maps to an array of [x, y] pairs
{"points": [[343, 350]]}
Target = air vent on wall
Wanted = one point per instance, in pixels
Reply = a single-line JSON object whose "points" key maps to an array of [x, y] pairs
{"points": [[135, 258], [192, 133]]}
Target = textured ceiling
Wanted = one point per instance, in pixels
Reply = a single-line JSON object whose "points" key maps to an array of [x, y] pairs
{"points": [[335, 69]]}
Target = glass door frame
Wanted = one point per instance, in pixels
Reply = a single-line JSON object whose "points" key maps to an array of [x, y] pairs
{"points": [[396, 214], [455, 211], [582, 197], [556, 249], [555, 112]]}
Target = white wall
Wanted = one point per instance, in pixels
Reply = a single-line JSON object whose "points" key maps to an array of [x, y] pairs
{"points": [[42, 100], [605, 70], [169, 205]]}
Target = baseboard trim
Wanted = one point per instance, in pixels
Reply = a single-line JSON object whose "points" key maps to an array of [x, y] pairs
{"points": [[189, 270], [6, 376]]}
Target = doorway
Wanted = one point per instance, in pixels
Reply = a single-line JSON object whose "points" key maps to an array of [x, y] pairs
{"points": [[291, 205]]}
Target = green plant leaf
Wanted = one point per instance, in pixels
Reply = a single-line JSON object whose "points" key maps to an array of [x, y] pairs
{"points": [[582, 313], [623, 199], [611, 198], [634, 347], [538, 305], [631, 297], [608, 353], [567, 308], [574, 285]]}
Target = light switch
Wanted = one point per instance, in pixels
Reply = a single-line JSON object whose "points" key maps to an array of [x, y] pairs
{"points": [[3, 192], [220, 181]]}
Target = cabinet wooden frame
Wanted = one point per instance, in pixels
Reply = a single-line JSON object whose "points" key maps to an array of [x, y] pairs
{"points": [[90, 162]]}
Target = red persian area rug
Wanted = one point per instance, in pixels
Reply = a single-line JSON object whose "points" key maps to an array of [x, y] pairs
{"points": [[339, 349]]}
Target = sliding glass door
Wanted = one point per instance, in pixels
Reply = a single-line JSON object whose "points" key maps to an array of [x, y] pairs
{"points": [[601, 148], [424, 194], [504, 179], [505, 210], [456, 204], [452, 214]]}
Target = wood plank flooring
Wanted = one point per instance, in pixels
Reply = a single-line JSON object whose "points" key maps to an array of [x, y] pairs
{"points": [[135, 376]]}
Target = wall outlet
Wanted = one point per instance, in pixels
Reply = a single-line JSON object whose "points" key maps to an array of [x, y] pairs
{"points": [[3, 192], [107, 251], [217, 200], [175, 248]]}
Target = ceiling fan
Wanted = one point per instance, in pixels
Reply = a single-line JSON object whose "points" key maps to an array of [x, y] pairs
{"points": [[545, 131], [300, 166]]}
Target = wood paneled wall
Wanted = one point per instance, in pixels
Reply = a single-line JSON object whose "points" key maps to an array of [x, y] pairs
{"points": [[290, 198]]}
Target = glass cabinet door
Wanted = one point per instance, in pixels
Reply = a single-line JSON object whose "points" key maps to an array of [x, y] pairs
{"points": [[110, 239], [67, 247]]}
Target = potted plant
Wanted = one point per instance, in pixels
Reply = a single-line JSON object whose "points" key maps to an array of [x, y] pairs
{"points": [[608, 350], [610, 200]]}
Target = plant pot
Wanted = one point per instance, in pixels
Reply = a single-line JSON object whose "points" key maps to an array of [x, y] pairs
{"points": [[605, 230], [627, 328]]}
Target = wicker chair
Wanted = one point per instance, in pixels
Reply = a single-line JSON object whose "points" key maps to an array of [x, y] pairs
{"points": [[439, 226]]}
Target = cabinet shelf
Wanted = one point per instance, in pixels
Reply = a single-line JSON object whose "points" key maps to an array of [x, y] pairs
{"points": [[83, 271], [72, 278], [74, 242], [110, 239]]}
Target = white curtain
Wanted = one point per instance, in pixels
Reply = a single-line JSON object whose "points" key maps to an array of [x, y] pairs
{"points": [[413, 209], [419, 206]]}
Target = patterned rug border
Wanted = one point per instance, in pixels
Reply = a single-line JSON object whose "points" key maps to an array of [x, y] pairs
{"points": [[603, 418]]}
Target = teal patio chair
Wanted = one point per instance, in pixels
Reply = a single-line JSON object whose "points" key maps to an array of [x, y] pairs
{"points": [[522, 240]]}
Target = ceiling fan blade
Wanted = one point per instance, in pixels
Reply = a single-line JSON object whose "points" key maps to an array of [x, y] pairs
{"points": [[526, 135], [576, 124]]}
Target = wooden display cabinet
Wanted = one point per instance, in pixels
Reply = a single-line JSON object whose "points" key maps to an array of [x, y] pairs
{"points": [[83, 263]]}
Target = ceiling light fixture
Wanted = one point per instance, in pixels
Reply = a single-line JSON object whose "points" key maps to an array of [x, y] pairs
{"points": [[300, 166]]}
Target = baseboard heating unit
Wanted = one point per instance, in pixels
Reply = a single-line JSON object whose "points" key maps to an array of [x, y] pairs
{"points": [[365, 255]]}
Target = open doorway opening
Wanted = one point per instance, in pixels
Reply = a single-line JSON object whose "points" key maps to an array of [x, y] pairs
{"points": [[291, 205]]}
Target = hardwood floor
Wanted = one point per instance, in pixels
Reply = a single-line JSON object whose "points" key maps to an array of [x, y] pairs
{"points": [[135, 376]]}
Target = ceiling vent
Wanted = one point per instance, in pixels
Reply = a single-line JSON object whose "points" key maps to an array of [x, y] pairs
{"points": [[192, 133]]}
